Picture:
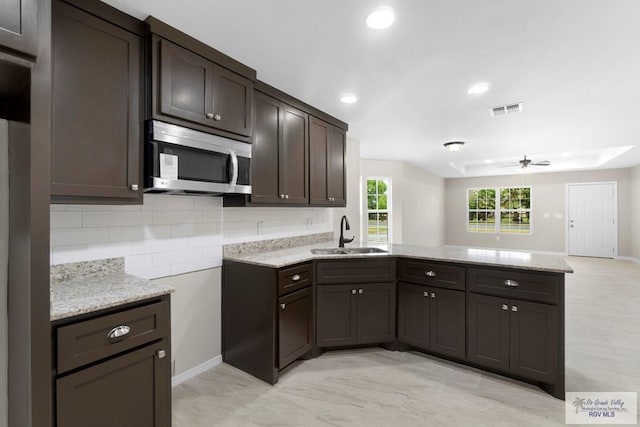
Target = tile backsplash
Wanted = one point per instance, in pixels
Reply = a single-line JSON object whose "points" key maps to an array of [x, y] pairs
{"points": [[171, 235]]}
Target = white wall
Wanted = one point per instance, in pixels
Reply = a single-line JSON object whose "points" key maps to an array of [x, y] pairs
{"points": [[4, 243], [352, 211], [417, 201], [635, 213], [548, 194]]}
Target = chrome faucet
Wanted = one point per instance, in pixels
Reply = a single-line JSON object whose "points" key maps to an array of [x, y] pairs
{"points": [[344, 221]]}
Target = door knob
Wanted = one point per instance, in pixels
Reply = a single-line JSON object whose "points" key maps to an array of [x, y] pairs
{"points": [[217, 117], [353, 291], [282, 196], [514, 308], [505, 307], [360, 291], [209, 115], [134, 187], [426, 294], [433, 294]]}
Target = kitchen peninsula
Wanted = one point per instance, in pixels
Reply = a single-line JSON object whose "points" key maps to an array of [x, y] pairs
{"points": [[500, 311]]}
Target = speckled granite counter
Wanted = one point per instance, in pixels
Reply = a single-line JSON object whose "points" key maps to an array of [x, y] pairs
{"points": [[81, 288], [489, 257]]}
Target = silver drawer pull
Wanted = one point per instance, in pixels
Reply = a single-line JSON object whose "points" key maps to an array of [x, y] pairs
{"points": [[510, 283], [161, 354], [505, 307], [430, 273], [433, 294], [295, 277], [514, 308], [283, 306], [360, 291], [425, 293], [353, 291], [118, 331]]}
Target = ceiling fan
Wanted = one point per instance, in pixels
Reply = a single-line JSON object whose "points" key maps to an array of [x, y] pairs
{"points": [[525, 163]]}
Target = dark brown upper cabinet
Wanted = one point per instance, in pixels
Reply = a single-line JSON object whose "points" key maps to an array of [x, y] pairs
{"points": [[327, 177], [280, 155], [196, 92], [18, 25], [96, 150]]}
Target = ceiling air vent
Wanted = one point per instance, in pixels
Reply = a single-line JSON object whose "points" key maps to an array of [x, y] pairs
{"points": [[505, 109]]}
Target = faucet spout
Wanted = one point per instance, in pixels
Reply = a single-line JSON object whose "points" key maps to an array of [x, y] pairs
{"points": [[344, 225]]}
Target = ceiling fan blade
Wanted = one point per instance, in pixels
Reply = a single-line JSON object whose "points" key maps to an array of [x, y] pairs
{"points": [[541, 163], [510, 166]]}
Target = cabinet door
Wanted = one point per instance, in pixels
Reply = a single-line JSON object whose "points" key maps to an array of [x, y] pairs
{"points": [[318, 142], [488, 331], [97, 119], [413, 315], [447, 322], [376, 313], [264, 162], [294, 156], [295, 328], [18, 25], [232, 102], [336, 173], [336, 315], [132, 390], [185, 84], [534, 340]]}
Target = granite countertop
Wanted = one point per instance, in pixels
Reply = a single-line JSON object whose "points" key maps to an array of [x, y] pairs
{"points": [[81, 288], [489, 257]]}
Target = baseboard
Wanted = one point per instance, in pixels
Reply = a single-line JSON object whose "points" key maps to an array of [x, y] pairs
{"points": [[196, 370], [629, 258]]}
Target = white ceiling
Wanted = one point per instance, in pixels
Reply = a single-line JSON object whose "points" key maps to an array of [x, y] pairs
{"points": [[575, 64]]}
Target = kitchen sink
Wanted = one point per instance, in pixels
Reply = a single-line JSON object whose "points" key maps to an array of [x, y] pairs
{"points": [[347, 251]]}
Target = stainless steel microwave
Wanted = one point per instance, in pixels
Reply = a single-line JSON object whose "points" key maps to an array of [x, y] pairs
{"points": [[179, 160]]}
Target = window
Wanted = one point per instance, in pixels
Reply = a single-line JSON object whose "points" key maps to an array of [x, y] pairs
{"points": [[378, 203], [512, 206]]}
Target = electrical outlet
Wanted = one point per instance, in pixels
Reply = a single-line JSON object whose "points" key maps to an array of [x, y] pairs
{"points": [[173, 368], [259, 227], [309, 223]]}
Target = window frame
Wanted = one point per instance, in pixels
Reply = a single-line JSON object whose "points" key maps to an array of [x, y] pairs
{"points": [[497, 211], [388, 211]]}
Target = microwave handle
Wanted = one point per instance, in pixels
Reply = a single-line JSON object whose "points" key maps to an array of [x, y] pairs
{"points": [[234, 168]]}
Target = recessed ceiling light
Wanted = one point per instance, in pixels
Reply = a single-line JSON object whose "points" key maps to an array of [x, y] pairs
{"points": [[381, 17], [454, 145], [478, 88], [348, 98]]}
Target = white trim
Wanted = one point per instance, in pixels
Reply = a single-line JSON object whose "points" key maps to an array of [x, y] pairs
{"points": [[615, 213], [510, 250], [628, 258], [196, 370]]}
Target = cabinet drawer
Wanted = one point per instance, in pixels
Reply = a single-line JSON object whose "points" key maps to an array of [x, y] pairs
{"points": [[88, 341], [432, 273], [515, 284], [294, 278], [356, 271]]}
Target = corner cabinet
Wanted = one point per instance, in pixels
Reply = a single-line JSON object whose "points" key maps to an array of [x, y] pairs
{"points": [[193, 91], [96, 148], [105, 378], [280, 155], [18, 25], [327, 175]]}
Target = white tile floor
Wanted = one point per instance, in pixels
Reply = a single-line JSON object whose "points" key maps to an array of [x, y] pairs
{"points": [[376, 387]]}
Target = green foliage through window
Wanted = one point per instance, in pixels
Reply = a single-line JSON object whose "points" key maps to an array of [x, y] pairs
{"points": [[378, 210], [512, 206]]}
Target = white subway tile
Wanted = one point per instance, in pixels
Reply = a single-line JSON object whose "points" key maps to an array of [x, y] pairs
{"points": [[57, 208], [104, 208], [158, 245], [212, 251], [203, 264], [154, 272], [64, 219], [154, 202], [195, 229], [212, 215], [66, 254], [139, 232], [115, 219], [176, 217], [177, 256], [208, 203], [78, 236], [206, 240], [136, 262]]}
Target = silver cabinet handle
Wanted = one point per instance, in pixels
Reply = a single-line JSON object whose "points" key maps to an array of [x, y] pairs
{"points": [[118, 331], [430, 273], [161, 354], [510, 283], [433, 294], [360, 291], [282, 196], [353, 291], [505, 307], [234, 168], [295, 277], [286, 196], [514, 308], [209, 115], [134, 187], [217, 117], [283, 306], [425, 293]]}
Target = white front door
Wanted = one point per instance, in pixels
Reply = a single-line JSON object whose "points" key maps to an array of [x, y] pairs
{"points": [[592, 224]]}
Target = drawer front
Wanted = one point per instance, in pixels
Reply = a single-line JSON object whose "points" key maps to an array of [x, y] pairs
{"points": [[95, 339], [432, 274], [294, 278], [515, 284], [355, 271]]}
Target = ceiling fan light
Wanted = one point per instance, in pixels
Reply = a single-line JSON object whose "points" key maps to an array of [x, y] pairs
{"points": [[453, 145]]}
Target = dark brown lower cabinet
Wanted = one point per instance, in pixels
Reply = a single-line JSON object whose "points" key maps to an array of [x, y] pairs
{"points": [[432, 319], [514, 336], [355, 314], [295, 326]]}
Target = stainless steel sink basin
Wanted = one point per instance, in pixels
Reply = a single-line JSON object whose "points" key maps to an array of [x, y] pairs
{"points": [[347, 251]]}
